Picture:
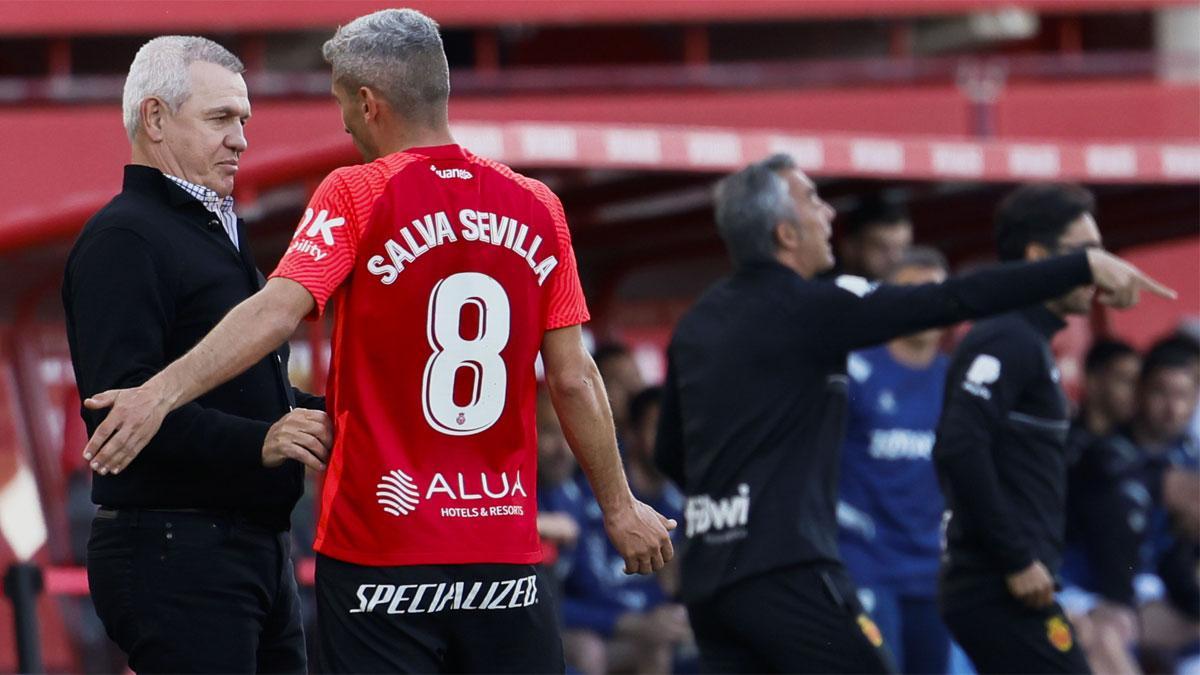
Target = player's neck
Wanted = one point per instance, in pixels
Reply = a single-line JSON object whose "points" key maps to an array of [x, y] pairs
{"points": [[423, 137], [913, 353]]}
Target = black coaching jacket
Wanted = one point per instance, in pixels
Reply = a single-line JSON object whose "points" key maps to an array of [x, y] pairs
{"points": [[149, 276], [753, 410]]}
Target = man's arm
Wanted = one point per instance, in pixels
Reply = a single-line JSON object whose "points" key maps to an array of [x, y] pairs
{"points": [[119, 298], [866, 316], [638, 532], [248, 333], [982, 387], [668, 441]]}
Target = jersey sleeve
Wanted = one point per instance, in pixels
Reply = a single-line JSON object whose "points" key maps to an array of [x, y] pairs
{"points": [[567, 304], [325, 244]]}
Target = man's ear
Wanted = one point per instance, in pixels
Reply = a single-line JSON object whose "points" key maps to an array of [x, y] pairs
{"points": [[369, 103], [1036, 251], [787, 235], [152, 113]]}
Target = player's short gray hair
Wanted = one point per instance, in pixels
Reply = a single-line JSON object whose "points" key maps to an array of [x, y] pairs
{"points": [[399, 54], [160, 69], [750, 203]]}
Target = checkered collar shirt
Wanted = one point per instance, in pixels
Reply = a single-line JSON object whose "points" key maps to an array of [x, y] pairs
{"points": [[221, 208]]}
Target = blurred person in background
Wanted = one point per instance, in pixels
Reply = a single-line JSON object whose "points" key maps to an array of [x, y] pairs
{"points": [[613, 622], [1111, 370], [889, 505], [873, 238], [1105, 512], [752, 417], [558, 498], [1169, 468], [460, 531], [644, 477], [622, 379], [189, 560]]}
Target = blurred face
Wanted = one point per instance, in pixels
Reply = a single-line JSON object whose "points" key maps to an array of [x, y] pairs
{"points": [[1113, 391], [205, 139], [354, 119], [812, 227], [1080, 235], [913, 276], [622, 380], [1168, 401], [880, 247], [556, 464]]}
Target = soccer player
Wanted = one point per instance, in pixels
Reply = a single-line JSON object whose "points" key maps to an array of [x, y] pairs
{"points": [[450, 272], [1001, 454], [753, 412], [889, 506]]}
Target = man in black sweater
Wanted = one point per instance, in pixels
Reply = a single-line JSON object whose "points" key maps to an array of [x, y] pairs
{"points": [[189, 561], [753, 414], [1001, 454]]}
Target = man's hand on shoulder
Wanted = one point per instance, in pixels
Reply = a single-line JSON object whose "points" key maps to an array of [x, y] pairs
{"points": [[303, 435], [642, 536]]}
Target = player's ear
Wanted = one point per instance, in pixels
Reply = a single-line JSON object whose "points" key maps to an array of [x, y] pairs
{"points": [[368, 103]]}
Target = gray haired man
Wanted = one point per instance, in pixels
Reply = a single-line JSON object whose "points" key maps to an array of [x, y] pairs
{"points": [[189, 561]]}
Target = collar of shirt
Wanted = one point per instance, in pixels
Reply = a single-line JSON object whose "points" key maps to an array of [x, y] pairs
{"points": [[1043, 320], [758, 268], [206, 196], [214, 203]]}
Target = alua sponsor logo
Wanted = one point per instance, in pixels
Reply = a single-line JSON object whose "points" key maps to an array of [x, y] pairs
{"points": [[400, 494]]}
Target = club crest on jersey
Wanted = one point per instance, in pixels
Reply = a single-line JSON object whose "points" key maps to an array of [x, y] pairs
{"points": [[1059, 633], [400, 494], [870, 630]]}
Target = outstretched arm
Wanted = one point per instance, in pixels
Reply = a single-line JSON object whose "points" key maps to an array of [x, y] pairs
{"points": [[870, 315], [248, 333]]}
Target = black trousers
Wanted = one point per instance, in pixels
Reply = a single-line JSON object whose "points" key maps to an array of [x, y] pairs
{"points": [[1003, 635], [484, 618], [184, 592], [801, 619]]}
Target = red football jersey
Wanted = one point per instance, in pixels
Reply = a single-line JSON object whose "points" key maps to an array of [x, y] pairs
{"points": [[448, 268]]}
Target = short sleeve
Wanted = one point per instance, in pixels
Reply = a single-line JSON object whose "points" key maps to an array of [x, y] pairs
{"points": [[567, 305], [324, 247]]}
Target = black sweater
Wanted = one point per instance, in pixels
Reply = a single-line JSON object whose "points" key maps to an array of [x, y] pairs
{"points": [[149, 276], [754, 405]]}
